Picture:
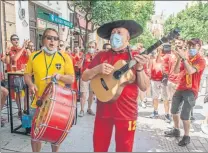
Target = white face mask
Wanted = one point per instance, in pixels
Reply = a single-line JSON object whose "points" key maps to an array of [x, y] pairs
{"points": [[91, 50], [51, 52]]}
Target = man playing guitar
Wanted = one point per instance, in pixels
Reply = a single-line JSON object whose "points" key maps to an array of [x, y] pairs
{"points": [[121, 112]]}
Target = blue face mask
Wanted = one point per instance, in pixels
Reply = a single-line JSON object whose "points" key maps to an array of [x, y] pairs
{"points": [[50, 52], [192, 52], [116, 41], [91, 50]]}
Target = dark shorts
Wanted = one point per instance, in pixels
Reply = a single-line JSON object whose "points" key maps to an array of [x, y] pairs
{"points": [[18, 84], [3, 83], [183, 101]]}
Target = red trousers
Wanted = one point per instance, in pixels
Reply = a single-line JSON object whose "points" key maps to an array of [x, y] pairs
{"points": [[124, 134]]}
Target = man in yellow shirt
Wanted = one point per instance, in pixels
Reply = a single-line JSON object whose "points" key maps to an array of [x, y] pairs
{"points": [[44, 63]]}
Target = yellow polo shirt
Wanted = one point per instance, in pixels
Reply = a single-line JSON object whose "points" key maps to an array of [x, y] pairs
{"points": [[42, 65]]}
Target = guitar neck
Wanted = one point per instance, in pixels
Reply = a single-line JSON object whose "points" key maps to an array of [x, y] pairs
{"points": [[173, 34]]}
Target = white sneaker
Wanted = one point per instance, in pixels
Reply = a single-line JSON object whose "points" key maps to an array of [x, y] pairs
{"points": [[81, 114], [142, 104]]}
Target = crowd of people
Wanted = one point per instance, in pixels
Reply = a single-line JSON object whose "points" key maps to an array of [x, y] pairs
{"points": [[174, 73]]}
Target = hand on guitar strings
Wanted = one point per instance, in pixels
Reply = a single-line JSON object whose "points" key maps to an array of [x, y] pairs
{"points": [[105, 68], [141, 60]]}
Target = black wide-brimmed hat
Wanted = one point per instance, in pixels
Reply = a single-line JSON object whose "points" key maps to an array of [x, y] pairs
{"points": [[134, 28]]}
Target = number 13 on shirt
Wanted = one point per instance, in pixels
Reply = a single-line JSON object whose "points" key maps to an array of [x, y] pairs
{"points": [[132, 126]]}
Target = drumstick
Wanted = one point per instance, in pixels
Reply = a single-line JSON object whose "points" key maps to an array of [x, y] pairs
{"points": [[48, 77], [39, 101]]}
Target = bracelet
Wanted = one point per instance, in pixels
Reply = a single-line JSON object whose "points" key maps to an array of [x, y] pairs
{"points": [[140, 70]]}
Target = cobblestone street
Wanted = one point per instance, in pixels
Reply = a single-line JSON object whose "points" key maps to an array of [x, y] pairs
{"points": [[149, 135]]}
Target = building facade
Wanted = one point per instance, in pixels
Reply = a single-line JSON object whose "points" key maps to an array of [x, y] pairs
{"points": [[28, 19], [156, 26], [40, 15], [8, 23]]}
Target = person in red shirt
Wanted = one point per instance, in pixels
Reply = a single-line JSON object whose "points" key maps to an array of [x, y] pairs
{"points": [[31, 47], [69, 51], [76, 58], [191, 70], [18, 59], [61, 47], [85, 85], [159, 69], [122, 112], [173, 78], [106, 46]]}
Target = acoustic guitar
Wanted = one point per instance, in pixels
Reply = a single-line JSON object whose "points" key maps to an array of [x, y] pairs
{"points": [[109, 87]]}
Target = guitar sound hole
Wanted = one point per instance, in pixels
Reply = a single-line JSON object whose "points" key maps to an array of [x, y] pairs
{"points": [[104, 84], [117, 75]]}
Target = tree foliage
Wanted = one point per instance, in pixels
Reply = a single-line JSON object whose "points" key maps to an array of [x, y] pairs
{"points": [[147, 39], [100, 12], [193, 22]]}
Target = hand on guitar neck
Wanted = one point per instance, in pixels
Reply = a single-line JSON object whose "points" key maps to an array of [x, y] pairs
{"points": [[141, 60]]}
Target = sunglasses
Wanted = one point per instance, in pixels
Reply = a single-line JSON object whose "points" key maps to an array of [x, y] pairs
{"points": [[15, 39], [61, 45], [91, 47], [52, 38]]}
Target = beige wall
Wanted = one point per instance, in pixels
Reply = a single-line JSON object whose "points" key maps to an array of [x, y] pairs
{"points": [[9, 17]]}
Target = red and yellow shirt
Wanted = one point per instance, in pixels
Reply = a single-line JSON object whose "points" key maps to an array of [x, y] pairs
{"points": [[192, 82]]}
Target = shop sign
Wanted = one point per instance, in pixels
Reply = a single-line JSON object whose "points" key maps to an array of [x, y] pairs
{"points": [[58, 20]]}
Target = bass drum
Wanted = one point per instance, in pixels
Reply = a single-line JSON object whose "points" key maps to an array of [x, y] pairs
{"points": [[53, 120]]}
